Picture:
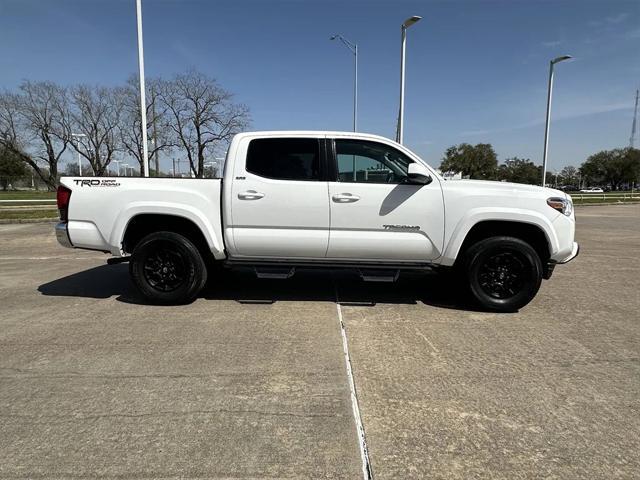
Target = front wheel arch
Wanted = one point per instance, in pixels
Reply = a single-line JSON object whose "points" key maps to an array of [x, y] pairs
{"points": [[527, 232]]}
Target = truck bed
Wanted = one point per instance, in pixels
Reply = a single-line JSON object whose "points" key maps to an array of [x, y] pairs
{"points": [[101, 208]]}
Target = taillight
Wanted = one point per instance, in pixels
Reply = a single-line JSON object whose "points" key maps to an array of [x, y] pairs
{"points": [[62, 198]]}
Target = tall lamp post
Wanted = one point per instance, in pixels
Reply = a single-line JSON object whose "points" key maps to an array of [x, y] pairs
{"points": [[546, 128], [407, 23], [143, 101], [354, 49], [78, 136]]}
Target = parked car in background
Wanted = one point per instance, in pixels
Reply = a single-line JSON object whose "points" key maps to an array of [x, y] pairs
{"points": [[592, 190]]}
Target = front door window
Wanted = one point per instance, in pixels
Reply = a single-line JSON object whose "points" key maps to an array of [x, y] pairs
{"points": [[361, 161]]}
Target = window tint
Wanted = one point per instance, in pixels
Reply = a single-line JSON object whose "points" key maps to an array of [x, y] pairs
{"points": [[361, 161], [284, 158]]}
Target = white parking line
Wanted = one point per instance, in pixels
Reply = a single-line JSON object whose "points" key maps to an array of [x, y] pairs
{"points": [[362, 441]]}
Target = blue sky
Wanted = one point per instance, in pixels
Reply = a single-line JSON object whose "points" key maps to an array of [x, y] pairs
{"points": [[476, 70]]}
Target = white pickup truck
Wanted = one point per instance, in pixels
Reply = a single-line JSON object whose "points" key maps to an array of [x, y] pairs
{"points": [[322, 200]]}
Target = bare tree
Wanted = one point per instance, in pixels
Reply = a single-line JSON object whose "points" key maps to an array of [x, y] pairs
{"points": [[131, 124], [34, 125], [96, 114], [202, 116]]}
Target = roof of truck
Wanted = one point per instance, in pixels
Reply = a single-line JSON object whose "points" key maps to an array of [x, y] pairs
{"points": [[315, 133]]}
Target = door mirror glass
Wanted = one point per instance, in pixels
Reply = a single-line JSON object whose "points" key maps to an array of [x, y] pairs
{"points": [[419, 174]]}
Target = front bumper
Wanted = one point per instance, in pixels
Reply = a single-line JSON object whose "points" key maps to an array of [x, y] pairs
{"points": [[574, 253], [551, 265], [62, 234]]}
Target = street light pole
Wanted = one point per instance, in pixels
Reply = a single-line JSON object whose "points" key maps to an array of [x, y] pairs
{"points": [[407, 23], [78, 136], [143, 101], [354, 49], [546, 128]]}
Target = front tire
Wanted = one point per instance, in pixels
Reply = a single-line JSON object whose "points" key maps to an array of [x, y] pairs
{"points": [[167, 268], [503, 273]]}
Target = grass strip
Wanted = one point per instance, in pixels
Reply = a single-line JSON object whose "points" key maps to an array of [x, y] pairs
{"points": [[20, 214]]}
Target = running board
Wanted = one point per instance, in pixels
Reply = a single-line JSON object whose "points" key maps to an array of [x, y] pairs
{"points": [[383, 275], [263, 263], [274, 273]]}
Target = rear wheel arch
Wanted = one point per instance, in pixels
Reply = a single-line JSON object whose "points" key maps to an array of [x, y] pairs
{"points": [[142, 225]]}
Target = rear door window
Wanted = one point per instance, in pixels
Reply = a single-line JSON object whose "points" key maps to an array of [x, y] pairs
{"points": [[284, 158]]}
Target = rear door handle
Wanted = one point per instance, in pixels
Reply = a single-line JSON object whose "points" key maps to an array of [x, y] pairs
{"points": [[345, 198], [250, 195]]}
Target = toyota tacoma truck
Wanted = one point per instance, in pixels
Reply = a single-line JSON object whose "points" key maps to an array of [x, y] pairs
{"points": [[291, 200]]}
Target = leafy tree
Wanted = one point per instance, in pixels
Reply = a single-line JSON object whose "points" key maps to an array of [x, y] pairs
{"points": [[519, 170], [612, 167], [477, 162], [11, 167]]}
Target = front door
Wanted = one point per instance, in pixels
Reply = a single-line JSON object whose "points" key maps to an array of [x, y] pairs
{"points": [[375, 213], [279, 203]]}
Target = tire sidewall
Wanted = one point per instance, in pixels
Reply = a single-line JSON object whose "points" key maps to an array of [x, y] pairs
{"points": [[487, 248]]}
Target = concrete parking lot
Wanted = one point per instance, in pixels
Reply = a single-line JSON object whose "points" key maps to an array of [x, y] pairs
{"points": [[250, 381]]}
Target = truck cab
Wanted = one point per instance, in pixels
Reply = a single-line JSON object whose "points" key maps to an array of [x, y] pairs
{"points": [[331, 198]]}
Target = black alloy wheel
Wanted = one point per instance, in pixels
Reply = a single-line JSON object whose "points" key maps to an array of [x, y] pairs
{"points": [[503, 273], [167, 268]]}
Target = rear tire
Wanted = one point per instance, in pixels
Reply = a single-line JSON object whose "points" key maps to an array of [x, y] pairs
{"points": [[503, 273], [167, 268]]}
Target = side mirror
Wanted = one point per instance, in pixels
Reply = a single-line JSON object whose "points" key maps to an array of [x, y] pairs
{"points": [[418, 174]]}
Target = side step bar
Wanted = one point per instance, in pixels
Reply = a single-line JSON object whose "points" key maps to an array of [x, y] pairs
{"points": [[384, 275], [116, 260], [331, 265], [274, 273]]}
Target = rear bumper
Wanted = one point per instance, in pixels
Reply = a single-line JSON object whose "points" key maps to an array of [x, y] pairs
{"points": [[574, 253], [62, 234]]}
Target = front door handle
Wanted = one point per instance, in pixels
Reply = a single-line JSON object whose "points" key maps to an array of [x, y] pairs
{"points": [[345, 198], [250, 195]]}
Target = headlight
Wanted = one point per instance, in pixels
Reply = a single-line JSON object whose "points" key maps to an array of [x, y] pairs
{"points": [[563, 205]]}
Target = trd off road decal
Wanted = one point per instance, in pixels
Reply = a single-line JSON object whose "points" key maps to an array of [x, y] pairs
{"points": [[95, 182]]}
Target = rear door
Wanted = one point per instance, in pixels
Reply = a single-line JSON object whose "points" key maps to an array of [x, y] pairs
{"points": [[279, 200], [375, 213]]}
